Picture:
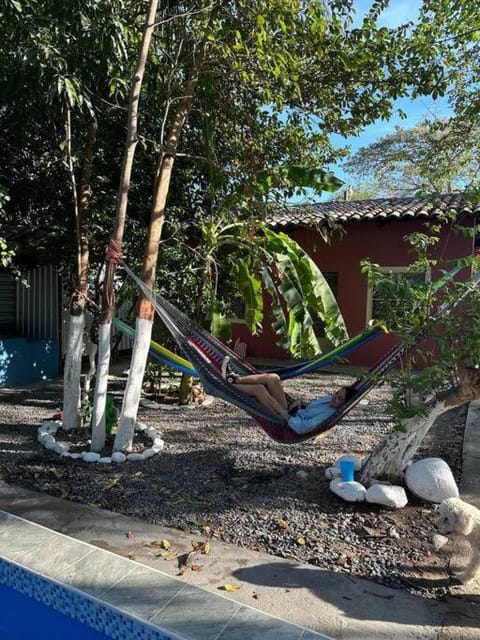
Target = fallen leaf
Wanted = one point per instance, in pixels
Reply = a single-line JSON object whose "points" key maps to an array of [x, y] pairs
{"points": [[181, 570], [131, 556], [161, 544], [197, 567], [230, 587], [255, 595], [206, 548], [129, 534], [301, 541], [111, 483], [283, 524], [196, 545]]}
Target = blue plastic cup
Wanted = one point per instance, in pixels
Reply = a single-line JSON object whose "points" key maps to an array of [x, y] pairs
{"points": [[347, 468]]}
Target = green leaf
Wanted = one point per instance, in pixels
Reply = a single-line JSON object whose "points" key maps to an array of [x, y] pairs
{"points": [[251, 291]]}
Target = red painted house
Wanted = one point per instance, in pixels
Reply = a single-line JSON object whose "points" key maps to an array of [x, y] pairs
{"points": [[373, 229]]}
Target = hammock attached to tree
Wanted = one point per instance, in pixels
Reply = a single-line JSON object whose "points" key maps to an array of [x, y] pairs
{"points": [[206, 353]]}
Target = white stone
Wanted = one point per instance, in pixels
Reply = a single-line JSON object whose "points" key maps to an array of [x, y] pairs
{"points": [[132, 457], [151, 433], [351, 458], [42, 435], [105, 460], [390, 496], [348, 491], [48, 441], [148, 453], [50, 426], [333, 472], [158, 447], [140, 426], [90, 456], [302, 474], [438, 541], [431, 479], [61, 448], [75, 456], [158, 442], [118, 456]]}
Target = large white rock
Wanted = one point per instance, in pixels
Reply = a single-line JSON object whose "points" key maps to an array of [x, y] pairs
{"points": [[348, 491], [431, 479], [118, 457], [390, 496]]}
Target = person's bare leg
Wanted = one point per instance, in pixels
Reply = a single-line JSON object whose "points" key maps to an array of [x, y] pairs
{"points": [[271, 381], [261, 394]]}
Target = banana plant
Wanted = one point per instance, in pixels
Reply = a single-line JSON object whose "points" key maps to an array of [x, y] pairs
{"points": [[266, 261]]}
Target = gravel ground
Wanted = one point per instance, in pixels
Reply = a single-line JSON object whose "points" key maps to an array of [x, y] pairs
{"points": [[221, 475]]}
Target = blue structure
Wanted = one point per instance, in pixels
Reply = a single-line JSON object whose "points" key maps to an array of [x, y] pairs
{"points": [[30, 348]]}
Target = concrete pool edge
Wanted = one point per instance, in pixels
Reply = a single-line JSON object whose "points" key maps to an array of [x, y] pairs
{"points": [[170, 607]]}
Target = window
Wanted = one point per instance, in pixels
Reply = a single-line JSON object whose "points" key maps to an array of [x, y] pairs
{"points": [[8, 303], [375, 306]]}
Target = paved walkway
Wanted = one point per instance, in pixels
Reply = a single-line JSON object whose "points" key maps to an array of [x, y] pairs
{"points": [[277, 598]]}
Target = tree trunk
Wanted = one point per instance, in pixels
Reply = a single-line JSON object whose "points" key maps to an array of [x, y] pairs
{"points": [[81, 202], [131, 400], [390, 456], [72, 372], [98, 415]]}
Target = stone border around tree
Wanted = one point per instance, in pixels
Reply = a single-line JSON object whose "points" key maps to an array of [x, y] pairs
{"points": [[48, 429]]}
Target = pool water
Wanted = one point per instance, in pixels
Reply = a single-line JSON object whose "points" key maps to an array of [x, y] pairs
{"points": [[23, 618]]}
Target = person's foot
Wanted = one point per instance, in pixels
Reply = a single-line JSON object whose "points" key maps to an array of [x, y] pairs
{"points": [[227, 373]]}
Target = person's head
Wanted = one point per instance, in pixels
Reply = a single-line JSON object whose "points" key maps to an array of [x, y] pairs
{"points": [[341, 396]]}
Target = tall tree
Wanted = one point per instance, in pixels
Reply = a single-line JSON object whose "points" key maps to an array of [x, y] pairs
{"points": [[99, 405], [280, 90], [430, 157]]}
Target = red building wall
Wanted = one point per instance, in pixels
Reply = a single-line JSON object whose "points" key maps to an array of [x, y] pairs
{"points": [[382, 243]]}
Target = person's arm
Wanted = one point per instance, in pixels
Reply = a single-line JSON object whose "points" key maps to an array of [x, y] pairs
{"points": [[314, 413]]}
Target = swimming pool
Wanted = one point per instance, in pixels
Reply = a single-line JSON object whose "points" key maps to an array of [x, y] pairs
{"points": [[37, 608], [25, 618]]}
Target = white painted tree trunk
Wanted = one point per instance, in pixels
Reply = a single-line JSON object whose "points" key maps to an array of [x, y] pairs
{"points": [[101, 387], [133, 389], [389, 458], [72, 372]]}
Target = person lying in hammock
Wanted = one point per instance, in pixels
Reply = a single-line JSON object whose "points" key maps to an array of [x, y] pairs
{"points": [[307, 418], [267, 389]]}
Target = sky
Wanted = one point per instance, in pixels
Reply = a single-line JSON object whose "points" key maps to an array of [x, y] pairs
{"points": [[416, 110]]}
